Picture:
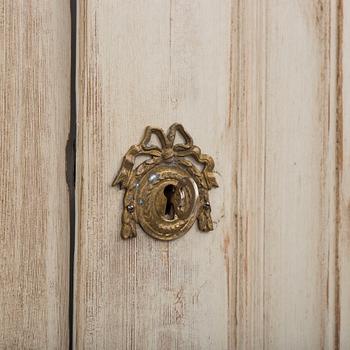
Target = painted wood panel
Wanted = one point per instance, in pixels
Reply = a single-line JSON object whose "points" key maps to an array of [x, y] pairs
{"points": [[343, 179], [299, 169], [34, 209], [258, 86], [150, 63]]}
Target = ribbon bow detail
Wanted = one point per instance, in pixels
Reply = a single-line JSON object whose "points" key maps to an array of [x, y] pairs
{"points": [[167, 151]]}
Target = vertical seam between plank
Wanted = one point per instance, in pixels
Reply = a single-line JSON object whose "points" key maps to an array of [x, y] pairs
{"points": [[71, 168]]}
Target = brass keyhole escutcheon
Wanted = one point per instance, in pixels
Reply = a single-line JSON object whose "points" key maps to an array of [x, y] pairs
{"points": [[166, 194]]}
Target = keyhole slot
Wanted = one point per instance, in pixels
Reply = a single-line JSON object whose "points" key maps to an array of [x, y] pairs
{"points": [[169, 211]]}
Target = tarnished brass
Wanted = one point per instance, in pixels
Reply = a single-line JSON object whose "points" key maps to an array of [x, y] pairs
{"points": [[168, 192]]}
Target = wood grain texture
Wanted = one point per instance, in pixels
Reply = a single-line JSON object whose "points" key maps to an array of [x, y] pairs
{"points": [[34, 217], [343, 176], [150, 63], [257, 85], [299, 171], [245, 229]]}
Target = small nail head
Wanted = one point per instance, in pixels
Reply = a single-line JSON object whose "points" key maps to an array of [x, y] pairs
{"points": [[153, 178], [130, 208], [206, 205]]}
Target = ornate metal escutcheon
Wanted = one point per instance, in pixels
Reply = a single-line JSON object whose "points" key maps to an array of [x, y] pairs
{"points": [[168, 192]]}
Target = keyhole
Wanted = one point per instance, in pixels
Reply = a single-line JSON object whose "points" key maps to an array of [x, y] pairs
{"points": [[169, 192]]}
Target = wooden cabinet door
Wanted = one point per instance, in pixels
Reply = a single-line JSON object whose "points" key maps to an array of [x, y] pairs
{"points": [[260, 86], [263, 87]]}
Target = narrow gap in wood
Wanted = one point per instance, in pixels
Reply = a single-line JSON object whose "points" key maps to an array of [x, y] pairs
{"points": [[70, 167]]}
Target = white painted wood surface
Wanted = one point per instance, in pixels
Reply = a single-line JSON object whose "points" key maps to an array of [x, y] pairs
{"points": [[343, 189], [34, 217], [161, 63], [299, 207], [261, 87]]}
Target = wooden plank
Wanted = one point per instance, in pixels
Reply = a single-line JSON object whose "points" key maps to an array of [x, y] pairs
{"points": [[151, 63], [299, 171], [343, 177], [257, 85], [245, 235], [34, 217], [284, 78]]}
